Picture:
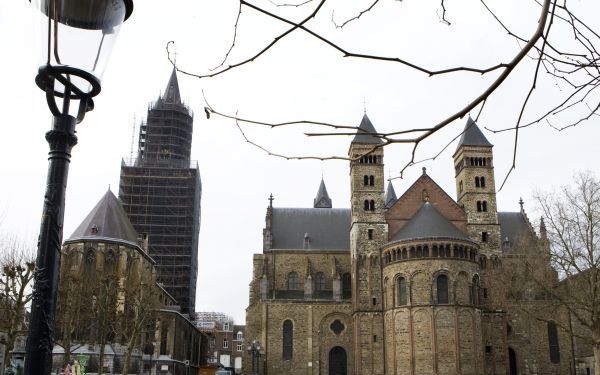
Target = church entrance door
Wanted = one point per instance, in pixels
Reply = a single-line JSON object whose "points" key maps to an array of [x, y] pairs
{"points": [[512, 361], [337, 361]]}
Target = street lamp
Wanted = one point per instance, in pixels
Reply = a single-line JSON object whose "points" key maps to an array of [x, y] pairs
{"points": [[76, 37], [256, 352]]}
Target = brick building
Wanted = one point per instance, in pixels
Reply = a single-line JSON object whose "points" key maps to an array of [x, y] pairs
{"points": [[408, 285], [225, 340]]}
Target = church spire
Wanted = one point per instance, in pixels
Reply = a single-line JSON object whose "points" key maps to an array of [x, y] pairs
{"points": [[365, 131], [472, 136], [390, 195], [322, 199], [172, 91]]}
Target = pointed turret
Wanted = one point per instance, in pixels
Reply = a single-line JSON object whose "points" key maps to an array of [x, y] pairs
{"points": [[363, 135], [322, 199], [107, 220], [390, 196], [472, 136], [172, 91]]}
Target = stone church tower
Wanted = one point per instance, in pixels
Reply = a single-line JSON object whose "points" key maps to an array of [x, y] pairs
{"points": [[368, 233], [476, 188]]}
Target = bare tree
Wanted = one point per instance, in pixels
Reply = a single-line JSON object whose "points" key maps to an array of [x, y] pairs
{"points": [[18, 265], [558, 279], [139, 316], [561, 45]]}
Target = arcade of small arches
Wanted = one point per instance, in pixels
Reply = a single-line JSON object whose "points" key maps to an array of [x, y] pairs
{"points": [[370, 159], [437, 250], [440, 289], [473, 161]]}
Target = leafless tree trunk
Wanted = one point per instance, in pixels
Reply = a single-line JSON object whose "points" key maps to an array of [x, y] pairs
{"points": [[141, 304], [18, 265]]}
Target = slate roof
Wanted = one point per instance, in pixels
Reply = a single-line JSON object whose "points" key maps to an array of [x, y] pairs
{"points": [[327, 228], [472, 136], [364, 134], [428, 222], [172, 91], [390, 196], [106, 221], [322, 199], [513, 227]]}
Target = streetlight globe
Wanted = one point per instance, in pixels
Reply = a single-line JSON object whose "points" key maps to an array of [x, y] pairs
{"points": [[76, 38]]}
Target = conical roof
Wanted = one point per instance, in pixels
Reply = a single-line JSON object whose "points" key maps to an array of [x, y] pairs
{"points": [[472, 136], [363, 135], [322, 199], [172, 91], [107, 221], [390, 195], [428, 222]]}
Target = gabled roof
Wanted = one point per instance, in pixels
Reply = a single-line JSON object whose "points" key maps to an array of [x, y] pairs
{"points": [[106, 221], [322, 199], [429, 223], [390, 196], [363, 135], [172, 91], [327, 229], [472, 136]]}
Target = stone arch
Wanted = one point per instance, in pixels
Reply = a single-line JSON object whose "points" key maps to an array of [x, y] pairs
{"points": [[338, 361], [420, 291], [461, 288], [445, 337], [423, 358]]}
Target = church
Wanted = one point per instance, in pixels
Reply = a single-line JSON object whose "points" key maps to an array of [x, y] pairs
{"points": [[414, 284]]}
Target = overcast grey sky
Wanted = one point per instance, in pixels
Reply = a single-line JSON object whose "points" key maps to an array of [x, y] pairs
{"points": [[298, 79]]}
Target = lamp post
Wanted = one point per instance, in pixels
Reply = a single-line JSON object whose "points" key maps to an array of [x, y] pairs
{"points": [[256, 352], [76, 39]]}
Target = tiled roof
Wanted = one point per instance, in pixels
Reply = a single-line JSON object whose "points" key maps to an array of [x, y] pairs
{"points": [[106, 221], [327, 228], [363, 135], [429, 223], [472, 136]]}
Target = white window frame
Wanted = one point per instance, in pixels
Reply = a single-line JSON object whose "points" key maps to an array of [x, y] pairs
{"points": [[239, 347], [225, 344]]}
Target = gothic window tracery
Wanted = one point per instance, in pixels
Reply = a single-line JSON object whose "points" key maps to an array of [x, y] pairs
{"points": [[293, 283], [319, 281]]}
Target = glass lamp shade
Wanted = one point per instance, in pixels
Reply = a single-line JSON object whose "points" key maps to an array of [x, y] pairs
{"points": [[76, 39]]}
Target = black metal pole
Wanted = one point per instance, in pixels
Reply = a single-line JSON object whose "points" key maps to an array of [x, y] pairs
{"points": [[38, 351]]}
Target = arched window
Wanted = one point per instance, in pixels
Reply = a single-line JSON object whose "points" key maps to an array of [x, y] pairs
{"points": [[484, 206], [293, 281], [402, 299], [288, 340], [366, 207], [442, 289], [553, 343], [319, 281], [372, 180], [365, 180], [478, 206], [477, 182], [346, 285], [371, 205], [482, 181]]}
